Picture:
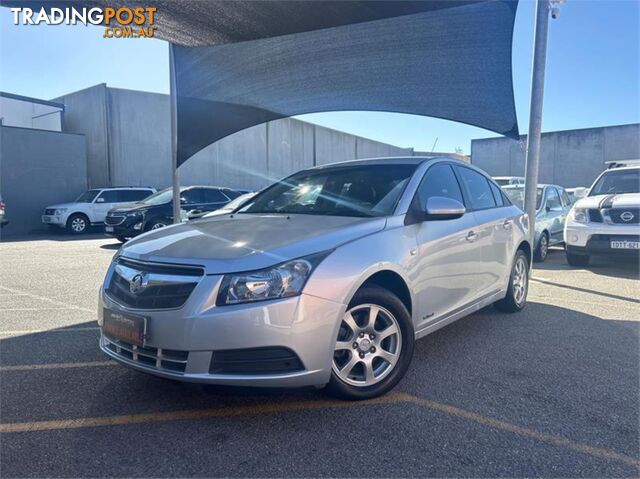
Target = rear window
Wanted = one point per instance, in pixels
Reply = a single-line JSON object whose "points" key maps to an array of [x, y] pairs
{"points": [[478, 188], [210, 195]]}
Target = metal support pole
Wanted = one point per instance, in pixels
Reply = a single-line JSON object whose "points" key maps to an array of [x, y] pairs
{"points": [[535, 114], [173, 101]]}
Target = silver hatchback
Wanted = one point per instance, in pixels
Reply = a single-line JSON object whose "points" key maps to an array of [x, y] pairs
{"points": [[324, 278]]}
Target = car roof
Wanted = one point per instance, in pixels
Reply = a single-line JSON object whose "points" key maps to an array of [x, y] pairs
{"points": [[389, 160], [123, 188]]}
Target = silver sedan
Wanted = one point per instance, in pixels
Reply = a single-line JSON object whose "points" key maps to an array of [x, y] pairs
{"points": [[325, 278]]}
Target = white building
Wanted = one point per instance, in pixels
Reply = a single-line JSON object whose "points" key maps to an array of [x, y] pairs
{"points": [[26, 112]]}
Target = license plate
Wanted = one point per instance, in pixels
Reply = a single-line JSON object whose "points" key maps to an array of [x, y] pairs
{"points": [[109, 229], [625, 245], [127, 327]]}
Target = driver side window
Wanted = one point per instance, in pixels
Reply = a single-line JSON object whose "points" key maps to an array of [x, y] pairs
{"points": [[439, 181], [553, 200]]}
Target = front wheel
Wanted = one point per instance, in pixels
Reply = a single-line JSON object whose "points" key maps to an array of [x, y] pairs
{"points": [[516, 298], [157, 224], [541, 252], [77, 224], [577, 260], [374, 346]]}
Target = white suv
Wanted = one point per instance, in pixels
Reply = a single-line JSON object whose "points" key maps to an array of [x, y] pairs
{"points": [[607, 221], [91, 207]]}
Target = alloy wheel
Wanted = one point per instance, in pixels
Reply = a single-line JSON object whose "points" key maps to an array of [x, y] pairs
{"points": [[368, 345], [78, 225], [520, 280], [157, 226]]}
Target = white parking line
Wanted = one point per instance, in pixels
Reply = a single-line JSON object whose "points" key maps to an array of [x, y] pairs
{"points": [[32, 367], [52, 301], [38, 331]]}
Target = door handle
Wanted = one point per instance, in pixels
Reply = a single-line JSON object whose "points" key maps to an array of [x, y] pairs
{"points": [[471, 236], [507, 224]]}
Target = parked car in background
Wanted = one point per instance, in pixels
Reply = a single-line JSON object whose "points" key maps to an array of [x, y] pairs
{"points": [[552, 207], [509, 180], [156, 211], [91, 207], [239, 202], [325, 277], [576, 193], [607, 221], [3, 219]]}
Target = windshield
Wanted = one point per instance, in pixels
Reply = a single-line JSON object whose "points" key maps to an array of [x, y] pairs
{"points": [[616, 182], [359, 190], [87, 196], [516, 195], [159, 198]]}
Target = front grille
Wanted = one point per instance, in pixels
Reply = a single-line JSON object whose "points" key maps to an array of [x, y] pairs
{"points": [[595, 216], [615, 238], [165, 359], [269, 360], [114, 219], [168, 286], [50, 211], [617, 215]]}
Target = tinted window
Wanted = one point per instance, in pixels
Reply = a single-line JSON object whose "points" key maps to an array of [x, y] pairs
{"points": [[439, 181], [87, 196], [213, 196], [191, 197], [127, 196], [497, 194], [553, 200], [108, 196], [359, 190], [478, 189], [565, 198]]}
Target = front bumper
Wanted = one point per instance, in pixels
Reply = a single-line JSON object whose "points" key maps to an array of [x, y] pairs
{"points": [[596, 238], [126, 229], [58, 220], [188, 343]]}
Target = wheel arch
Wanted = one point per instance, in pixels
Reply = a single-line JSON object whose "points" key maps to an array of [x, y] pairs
{"points": [[393, 282], [525, 247], [78, 213]]}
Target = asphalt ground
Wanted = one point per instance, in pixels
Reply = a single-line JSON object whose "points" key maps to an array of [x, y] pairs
{"points": [[551, 392]]}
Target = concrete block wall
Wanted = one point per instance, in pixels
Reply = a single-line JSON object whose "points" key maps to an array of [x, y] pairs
{"points": [[569, 158], [38, 168], [128, 143]]}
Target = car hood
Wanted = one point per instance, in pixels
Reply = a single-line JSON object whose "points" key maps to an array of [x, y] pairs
{"points": [[63, 205], [248, 242], [129, 207], [623, 200]]}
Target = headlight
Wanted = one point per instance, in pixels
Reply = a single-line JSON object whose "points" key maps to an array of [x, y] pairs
{"points": [[59, 211], [579, 215], [134, 213], [281, 281]]}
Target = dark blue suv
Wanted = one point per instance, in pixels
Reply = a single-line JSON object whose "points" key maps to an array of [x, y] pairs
{"points": [[156, 210]]}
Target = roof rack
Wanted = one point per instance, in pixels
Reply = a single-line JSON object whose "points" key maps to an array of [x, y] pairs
{"points": [[621, 163]]}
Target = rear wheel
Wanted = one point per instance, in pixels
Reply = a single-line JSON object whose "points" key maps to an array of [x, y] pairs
{"points": [[77, 224], [516, 298], [578, 260], [374, 345], [542, 250]]}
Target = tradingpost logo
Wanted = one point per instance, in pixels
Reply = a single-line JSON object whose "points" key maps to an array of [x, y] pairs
{"points": [[122, 22]]}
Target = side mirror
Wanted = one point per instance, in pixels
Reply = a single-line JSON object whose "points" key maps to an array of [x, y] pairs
{"points": [[100, 200], [441, 208]]}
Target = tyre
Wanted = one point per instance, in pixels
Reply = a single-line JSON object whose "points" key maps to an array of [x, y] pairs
{"points": [[542, 250], [157, 224], [77, 224], [374, 346], [516, 298], [578, 260], [122, 239]]}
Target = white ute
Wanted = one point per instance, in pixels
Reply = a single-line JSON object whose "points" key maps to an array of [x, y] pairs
{"points": [[607, 220]]}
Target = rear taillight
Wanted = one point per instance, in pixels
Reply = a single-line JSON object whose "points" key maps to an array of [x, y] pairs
{"points": [[1, 205]]}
